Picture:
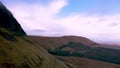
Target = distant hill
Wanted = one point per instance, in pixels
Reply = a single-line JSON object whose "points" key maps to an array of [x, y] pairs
{"points": [[55, 42], [80, 47], [17, 51]]}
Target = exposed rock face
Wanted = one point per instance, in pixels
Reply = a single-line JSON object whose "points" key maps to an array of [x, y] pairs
{"points": [[9, 22]]}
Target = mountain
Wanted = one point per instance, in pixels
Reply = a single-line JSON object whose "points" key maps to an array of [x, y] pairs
{"points": [[17, 51], [55, 42], [8, 22], [80, 50]]}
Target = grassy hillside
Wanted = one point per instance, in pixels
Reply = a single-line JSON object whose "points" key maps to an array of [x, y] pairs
{"points": [[16, 51], [76, 47], [21, 53], [87, 63], [56, 42]]}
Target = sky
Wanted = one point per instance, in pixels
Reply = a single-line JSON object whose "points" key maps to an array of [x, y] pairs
{"points": [[98, 20]]}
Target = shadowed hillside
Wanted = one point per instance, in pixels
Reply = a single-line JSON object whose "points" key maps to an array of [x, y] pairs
{"points": [[16, 51], [87, 63], [81, 50], [8, 22]]}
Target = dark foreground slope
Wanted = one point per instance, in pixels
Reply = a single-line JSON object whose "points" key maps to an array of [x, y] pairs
{"points": [[16, 51], [8, 22]]}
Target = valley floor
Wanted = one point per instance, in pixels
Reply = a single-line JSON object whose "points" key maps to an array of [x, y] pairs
{"points": [[86, 63]]}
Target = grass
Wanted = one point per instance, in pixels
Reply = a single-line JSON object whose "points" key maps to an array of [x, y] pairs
{"points": [[22, 53], [70, 48]]}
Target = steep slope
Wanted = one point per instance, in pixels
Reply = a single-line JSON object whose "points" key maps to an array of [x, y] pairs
{"points": [[16, 51], [8, 22]]}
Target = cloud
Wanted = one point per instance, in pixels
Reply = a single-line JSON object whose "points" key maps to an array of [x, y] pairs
{"points": [[37, 16], [91, 24], [45, 17]]}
